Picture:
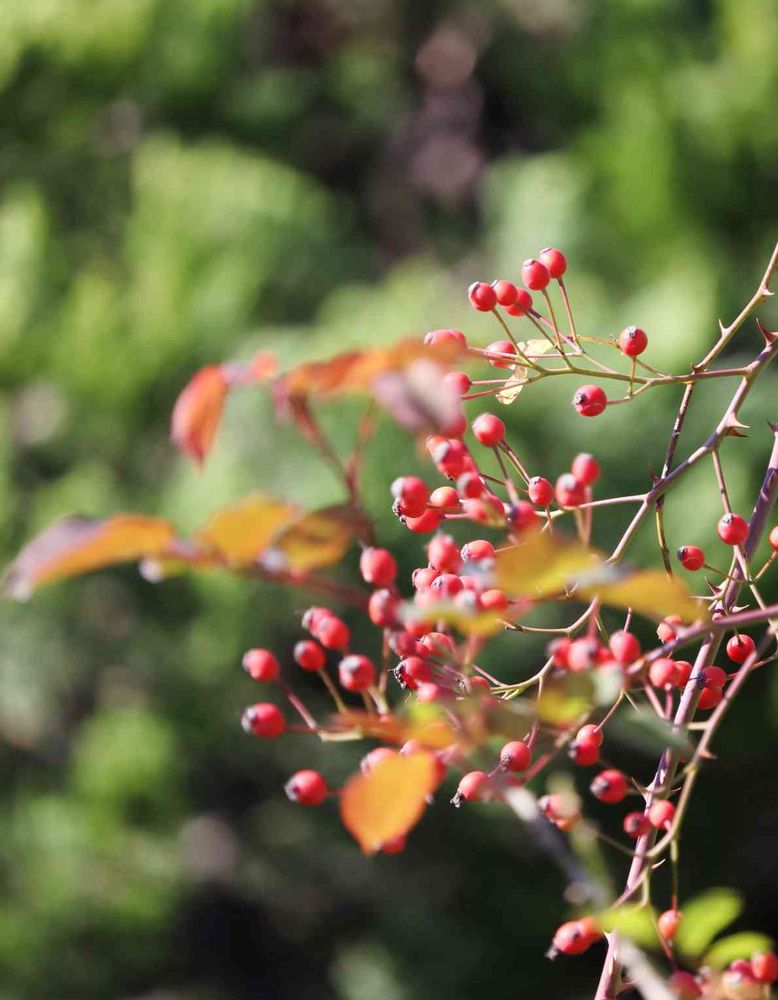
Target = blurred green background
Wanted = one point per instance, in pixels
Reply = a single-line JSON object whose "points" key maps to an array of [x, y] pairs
{"points": [[186, 181]]}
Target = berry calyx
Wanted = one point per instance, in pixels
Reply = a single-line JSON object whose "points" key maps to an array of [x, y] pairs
{"points": [[633, 341], [515, 756], [482, 296], [489, 429], [732, 529], [554, 261], [261, 665], [306, 787], [535, 275], [264, 720], [609, 786], [691, 557], [590, 400]]}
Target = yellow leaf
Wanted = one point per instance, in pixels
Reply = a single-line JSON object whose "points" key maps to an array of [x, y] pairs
{"points": [[542, 565], [315, 540], [77, 545], [243, 532], [198, 411], [388, 801], [648, 592], [512, 386]]}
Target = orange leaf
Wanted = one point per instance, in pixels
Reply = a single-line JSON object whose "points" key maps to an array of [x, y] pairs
{"points": [[388, 801], [357, 370], [78, 545], [243, 532], [315, 540], [198, 411]]}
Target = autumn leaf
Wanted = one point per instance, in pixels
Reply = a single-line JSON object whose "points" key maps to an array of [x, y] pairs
{"points": [[198, 411], [78, 545], [515, 382], [418, 398], [240, 534], [648, 592], [542, 565], [315, 540], [425, 724], [389, 800]]}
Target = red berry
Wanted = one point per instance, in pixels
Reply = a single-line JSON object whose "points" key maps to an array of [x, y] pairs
{"points": [[765, 967], [263, 719], [443, 553], [582, 654], [590, 400], [429, 692], [309, 655], [660, 814], [683, 671], [261, 665], [684, 985], [558, 650], [424, 524], [505, 291], [474, 787], [733, 529], [313, 617], [535, 275], [691, 557], [382, 608], [625, 647], [444, 496], [477, 550], [589, 735], [541, 492], [522, 305], [635, 825], [470, 485], [633, 341], [447, 585], [710, 697], [306, 787], [501, 347], [663, 674], [437, 337], [494, 600], [573, 938], [394, 846], [482, 296], [410, 496], [773, 538], [609, 786], [332, 633], [423, 577], [375, 756], [569, 492], [668, 923], [515, 756], [450, 457], [459, 381], [489, 429], [585, 755], [356, 672], [412, 671], [667, 630], [740, 647], [438, 644], [561, 810], [554, 261], [714, 676], [522, 516], [378, 567], [585, 468]]}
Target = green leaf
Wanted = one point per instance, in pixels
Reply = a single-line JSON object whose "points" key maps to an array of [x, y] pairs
{"points": [[742, 945], [703, 918], [647, 732], [638, 923]]}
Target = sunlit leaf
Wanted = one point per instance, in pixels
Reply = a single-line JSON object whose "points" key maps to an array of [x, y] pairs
{"points": [[565, 699], [512, 386], [424, 723], [647, 592], [465, 620], [541, 565], [742, 945], [198, 411], [704, 917], [77, 545], [315, 540], [389, 800], [638, 923], [243, 532]]}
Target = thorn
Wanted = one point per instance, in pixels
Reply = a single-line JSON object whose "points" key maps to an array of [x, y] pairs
{"points": [[773, 427], [721, 328], [732, 421], [770, 336]]}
